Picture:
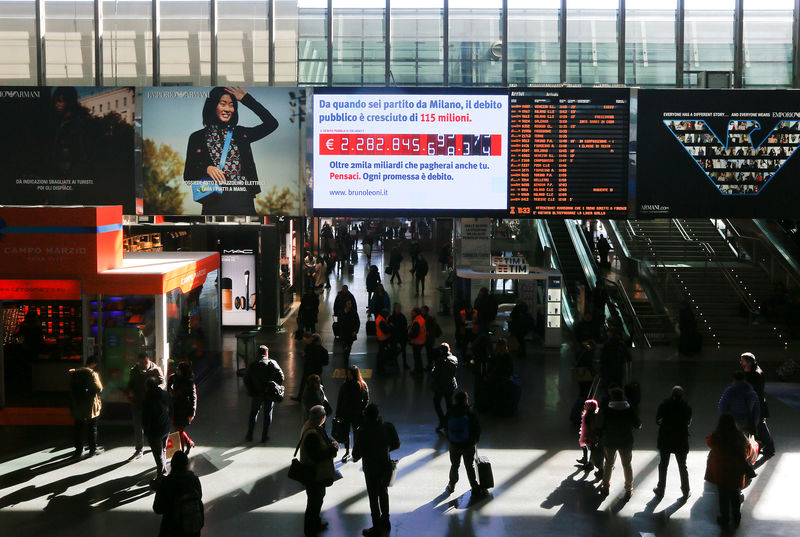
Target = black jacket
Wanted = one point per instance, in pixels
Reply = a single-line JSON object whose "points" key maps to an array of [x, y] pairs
{"points": [[616, 424], [373, 279], [398, 326], [373, 441], [169, 490], [259, 374], [421, 268], [673, 418], [198, 158], [349, 323], [444, 374], [756, 380], [184, 399], [341, 298], [156, 411], [309, 308], [351, 402], [315, 357]]}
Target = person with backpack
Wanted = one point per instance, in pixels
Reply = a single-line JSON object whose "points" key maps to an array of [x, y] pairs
{"points": [[182, 389], [432, 332], [463, 432], [263, 380], [136, 390], [674, 416], [317, 450], [353, 399], [85, 404], [373, 442], [179, 500], [444, 383], [156, 411]]}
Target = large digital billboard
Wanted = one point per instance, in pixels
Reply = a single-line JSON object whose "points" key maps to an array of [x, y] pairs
{"points": [[412, 150], [717, 153], [220, 151], [67, 146]]}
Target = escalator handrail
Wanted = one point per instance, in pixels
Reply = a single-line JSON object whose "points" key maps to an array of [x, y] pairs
{"points": [[631, 312], [780, 260]]}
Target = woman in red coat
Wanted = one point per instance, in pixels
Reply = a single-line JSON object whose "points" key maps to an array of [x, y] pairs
{"points": [[727, 466]]}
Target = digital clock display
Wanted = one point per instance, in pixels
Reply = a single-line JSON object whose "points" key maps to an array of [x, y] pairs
{"points": [[466, 145]]}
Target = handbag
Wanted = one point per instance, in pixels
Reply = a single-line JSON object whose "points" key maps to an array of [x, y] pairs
{"points": [[275, 392], [298, 471], [371, 328], [207, 188], [173, 444], [387, 270], [339, 430]]}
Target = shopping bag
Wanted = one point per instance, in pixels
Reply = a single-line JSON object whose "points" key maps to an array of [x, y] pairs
{"points": [[339, 430], [173, 444]]}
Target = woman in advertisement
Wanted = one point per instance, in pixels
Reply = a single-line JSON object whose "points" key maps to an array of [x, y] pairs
{"points": [[222, 139]]}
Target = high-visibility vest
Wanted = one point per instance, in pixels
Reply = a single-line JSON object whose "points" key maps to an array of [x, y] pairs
{"points": [[382, 336], [421, 337]]}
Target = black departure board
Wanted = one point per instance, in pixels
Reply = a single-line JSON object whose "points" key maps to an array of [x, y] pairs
{"points": [[568, 152]]}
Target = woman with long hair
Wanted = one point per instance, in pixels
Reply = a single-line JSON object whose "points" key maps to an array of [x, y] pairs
{"points": [[182, 390], [353, 399], [237, 175], [727, 467]]}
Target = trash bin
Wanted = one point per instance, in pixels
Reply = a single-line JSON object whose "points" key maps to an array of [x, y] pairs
{"points": [[245, 350]]}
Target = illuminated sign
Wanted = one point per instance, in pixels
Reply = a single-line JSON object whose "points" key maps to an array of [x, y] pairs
{"points": [[40, 290]]}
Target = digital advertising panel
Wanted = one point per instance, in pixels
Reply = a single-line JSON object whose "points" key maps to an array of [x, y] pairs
{"points": [[67, 146], [221, 151], [410, 151], [718, 153], [238, 289]]}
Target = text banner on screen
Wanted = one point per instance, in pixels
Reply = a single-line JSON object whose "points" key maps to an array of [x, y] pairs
{"points": [[718, 153], [568, 152], [415, 150]]}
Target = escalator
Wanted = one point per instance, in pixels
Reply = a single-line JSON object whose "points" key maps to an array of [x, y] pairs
{"points": [[569, 263]]}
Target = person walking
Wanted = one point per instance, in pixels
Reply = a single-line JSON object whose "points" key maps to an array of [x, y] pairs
{"points": [[741, 400], [617, 422], [589, 440], [258, 380], [315, 357], [432, 332], [341, 299], [313, 395], [444, 383], [353, 399], [136, 390], [317, 451], [373, 279], [182, 390], [395, 258], [603, 248], [420, 273], [727, 467], [85, 404], [520, 323], [179, 500], [615, 359], [463, 432], [674, 416], [417, 337], [349, 324], [380, 300], [398, 324], [308, 312], [372, 443], [755, 377], [156, 410]]}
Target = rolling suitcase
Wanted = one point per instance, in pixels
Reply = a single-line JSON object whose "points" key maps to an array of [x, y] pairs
{"points": [[485, 476]]}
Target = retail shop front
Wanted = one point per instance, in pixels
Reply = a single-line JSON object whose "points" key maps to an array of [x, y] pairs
{"points": [[67, 292]]}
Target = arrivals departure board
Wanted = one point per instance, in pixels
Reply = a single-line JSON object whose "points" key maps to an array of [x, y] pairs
{"points": [[568, 152]]}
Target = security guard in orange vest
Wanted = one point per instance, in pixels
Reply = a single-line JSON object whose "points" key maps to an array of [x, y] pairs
{"points": [[383, 333], [417, 338]]}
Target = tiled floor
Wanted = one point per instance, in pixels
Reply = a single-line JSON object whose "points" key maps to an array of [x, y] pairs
{"points": [[538, 491]]}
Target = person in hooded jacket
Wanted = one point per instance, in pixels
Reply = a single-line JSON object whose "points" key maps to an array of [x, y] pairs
{"points": [[156, 410], [463, 432], [353, 399], [85, 404], [755, 377], [674, 416], [616, 424], [182, 390], [373, 442], [180, 482], [444, 383], [740, 400]]}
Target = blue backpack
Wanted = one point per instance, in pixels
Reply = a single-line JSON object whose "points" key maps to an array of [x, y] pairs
{"points": [[458, 429]]}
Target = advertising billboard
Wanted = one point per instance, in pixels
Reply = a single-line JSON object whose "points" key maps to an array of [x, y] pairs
{"points": [[67, 146], [238, 288], [410, 150], [220, 151]]}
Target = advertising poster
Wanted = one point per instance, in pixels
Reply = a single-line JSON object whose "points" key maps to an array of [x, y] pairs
{"points": [[713, 153], [220, 151], [410, 151], [67, 146], [238, 288]]}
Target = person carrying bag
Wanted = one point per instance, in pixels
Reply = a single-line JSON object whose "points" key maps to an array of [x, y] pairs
{"points": [[317, 452]]}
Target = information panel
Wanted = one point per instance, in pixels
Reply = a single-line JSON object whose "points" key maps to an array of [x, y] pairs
{"points": [[718, 153], [410, 151], [568, 153]]}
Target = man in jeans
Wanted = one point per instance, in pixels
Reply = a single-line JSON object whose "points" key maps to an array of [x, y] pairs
{"points": [[463, 432], [136, 390], [256, 380], [616, 424]]}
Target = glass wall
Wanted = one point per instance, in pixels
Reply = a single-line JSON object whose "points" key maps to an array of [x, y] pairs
{"points": [[650, 42], [69, 42], [312, 44], [287, 41], [475, 45], [592, 41], [18, 43], [768, 43], [533, 49], [359, 45], [242, 42], [185, 42], [417, 52], [127, 42], [708, 44]]}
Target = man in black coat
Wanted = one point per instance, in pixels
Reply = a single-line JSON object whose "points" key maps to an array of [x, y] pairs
{"points": [[444, 383], [315, 357], [342, 297], [180, 490], [308, 311], [420, 272], [616, 424], [673, 417], [349, 324], [486, 308], [257, 380], [156, 411]]}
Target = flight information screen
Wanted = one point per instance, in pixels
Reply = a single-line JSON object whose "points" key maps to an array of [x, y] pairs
{"points": [[568, 152]]}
